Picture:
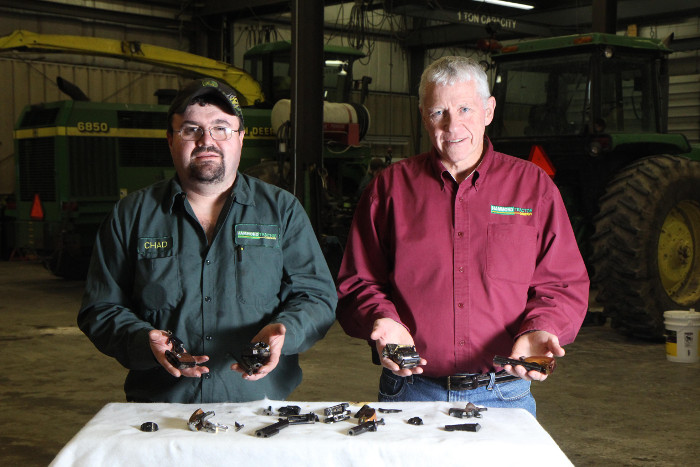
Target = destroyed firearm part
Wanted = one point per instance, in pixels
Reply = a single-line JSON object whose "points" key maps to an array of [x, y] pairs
{"points": [[405, 356], [338, 417], [366, 413], [272, 430], [468, 412], [463, 427], [365, 427], [253, 357], [149, 426], [544, 365], [289, 410], [415, 421], [336, 409], [199, 421], [178, 356], [300, 419]]}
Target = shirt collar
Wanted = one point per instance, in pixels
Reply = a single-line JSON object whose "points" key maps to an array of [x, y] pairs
{"points": [[241, 192], [443, 175], [176, 193]]}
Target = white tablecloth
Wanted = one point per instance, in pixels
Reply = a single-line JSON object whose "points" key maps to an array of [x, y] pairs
{"points": [[113, 437]]}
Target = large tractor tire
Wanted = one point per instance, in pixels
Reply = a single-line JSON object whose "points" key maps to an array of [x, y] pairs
{"points": [[646, 249]]}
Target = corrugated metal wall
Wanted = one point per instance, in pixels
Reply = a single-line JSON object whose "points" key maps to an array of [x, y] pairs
{"points": [[684, 106]]}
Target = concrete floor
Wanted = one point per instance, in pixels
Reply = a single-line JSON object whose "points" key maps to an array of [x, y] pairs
{"points": [[613, 401]]}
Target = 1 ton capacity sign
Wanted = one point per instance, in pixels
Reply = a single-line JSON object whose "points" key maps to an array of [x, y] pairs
{"points": [[483, 19]]}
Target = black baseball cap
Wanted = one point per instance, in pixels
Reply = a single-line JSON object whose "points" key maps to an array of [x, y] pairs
{"points": [[222, 92]]}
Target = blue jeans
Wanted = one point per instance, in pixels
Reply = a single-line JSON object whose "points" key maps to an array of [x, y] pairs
{"points": [[394, 388]]}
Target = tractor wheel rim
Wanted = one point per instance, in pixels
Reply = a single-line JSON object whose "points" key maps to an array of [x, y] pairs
{"points": [[679, 253]]}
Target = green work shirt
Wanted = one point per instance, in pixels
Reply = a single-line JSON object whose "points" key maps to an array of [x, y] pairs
{"points": [[152, 268]]}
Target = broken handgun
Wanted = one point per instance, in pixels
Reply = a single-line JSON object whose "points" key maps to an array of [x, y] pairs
{"points": [[469, 411], [178, 356], [272, 430], [544, 365], [199, 421], [405, 356], [370, 425], [254, 356], [337, 413]]}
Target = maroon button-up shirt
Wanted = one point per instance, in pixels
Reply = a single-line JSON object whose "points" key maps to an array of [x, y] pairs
{"points": [[466, 268]]}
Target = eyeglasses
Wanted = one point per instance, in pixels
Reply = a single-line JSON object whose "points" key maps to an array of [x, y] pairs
{"points": [[218, 133]]}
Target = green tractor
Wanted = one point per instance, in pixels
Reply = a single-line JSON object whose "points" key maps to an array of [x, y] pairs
{"points": [[75, 158], [592, 110]]}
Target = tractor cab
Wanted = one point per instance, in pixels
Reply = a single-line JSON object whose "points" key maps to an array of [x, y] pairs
{"points": [[592, 110], [270, 65]]}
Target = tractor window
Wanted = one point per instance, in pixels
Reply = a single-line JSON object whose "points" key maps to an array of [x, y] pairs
{"points": [[272, 72], [627, 103], [543, 97]]}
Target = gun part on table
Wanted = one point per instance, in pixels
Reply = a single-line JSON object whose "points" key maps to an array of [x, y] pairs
{"points": [[199, 421], [469, 411], [370, 425]]}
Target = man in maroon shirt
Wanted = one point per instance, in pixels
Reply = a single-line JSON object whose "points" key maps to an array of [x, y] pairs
{"points": [[465, 253]]}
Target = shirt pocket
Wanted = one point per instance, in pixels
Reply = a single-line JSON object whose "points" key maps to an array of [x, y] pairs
{"points": [[511, 252], [259, 275], [258, 264], [157, 283]]}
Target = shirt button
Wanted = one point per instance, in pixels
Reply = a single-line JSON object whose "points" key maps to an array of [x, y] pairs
{"points": [[460, 234], [461, 342], [461, 199], [207, 262], [207, 299], [208, 338], [206, 376], [460, 269], [461, 305]]}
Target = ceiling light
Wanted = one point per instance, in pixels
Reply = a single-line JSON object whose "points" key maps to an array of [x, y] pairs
{"points": [[508, 4]]}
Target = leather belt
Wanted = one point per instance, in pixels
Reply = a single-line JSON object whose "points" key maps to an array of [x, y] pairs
{"points": [[473, 381]]}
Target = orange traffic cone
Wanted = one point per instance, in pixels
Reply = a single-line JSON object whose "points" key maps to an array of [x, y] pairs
{"points": [[539, 157], [37, 211]]}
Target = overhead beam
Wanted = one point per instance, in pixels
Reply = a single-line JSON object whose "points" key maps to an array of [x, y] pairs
{"points": [[170, 20]]}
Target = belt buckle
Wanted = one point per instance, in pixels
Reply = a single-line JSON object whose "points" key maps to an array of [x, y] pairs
{"points": [[463, 382]]}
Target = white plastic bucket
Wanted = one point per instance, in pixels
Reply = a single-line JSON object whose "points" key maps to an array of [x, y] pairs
{"points": [[682, 335]]}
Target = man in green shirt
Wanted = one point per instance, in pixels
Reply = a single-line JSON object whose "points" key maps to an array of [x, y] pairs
{"points": [[215, 257]]}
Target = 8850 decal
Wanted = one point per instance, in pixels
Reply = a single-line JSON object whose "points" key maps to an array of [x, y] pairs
{"points": [[93, 127]]}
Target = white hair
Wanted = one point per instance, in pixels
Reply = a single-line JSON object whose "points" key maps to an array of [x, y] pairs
{"points": [[449, 70]]}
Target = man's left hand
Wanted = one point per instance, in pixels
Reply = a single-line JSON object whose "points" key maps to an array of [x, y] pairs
{"points": [[535, 343], [273, 335]]}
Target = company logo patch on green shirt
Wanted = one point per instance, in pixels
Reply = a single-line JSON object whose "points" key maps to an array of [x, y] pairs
{"points": [[257, 235], [155, 247], [510, 211]]}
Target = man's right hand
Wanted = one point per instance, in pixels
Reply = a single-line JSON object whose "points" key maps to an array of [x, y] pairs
{"points": [[387, 331], [158, 341]]}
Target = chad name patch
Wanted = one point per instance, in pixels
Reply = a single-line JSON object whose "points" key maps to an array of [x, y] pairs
{"points": [[155, 247], [510, 210], [257, 235]]}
